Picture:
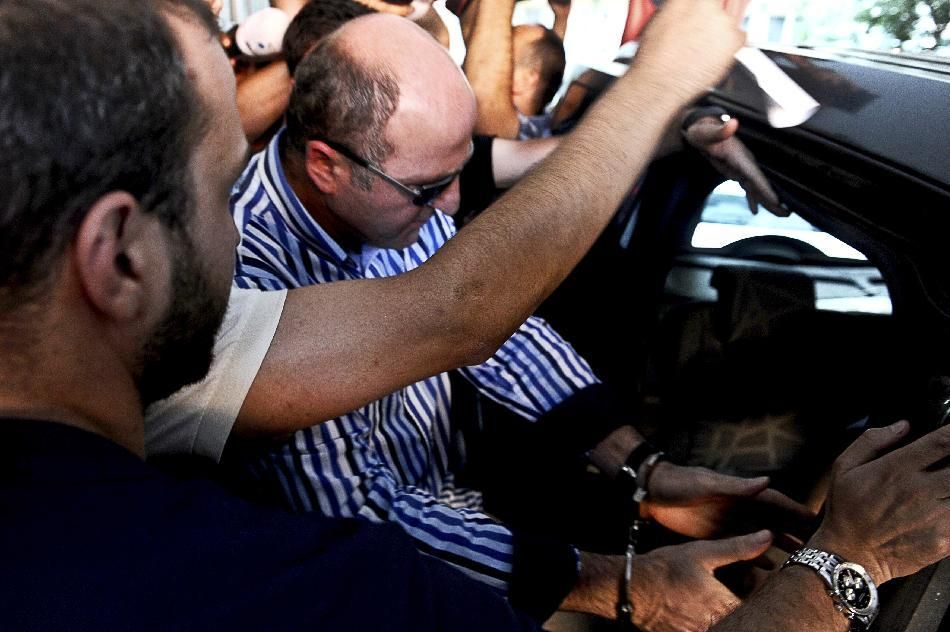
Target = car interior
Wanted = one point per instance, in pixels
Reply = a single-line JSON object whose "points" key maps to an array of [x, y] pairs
{"points": [[759, 345]]}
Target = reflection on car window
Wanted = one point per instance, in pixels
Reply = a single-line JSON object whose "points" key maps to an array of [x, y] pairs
{"points": [[727, 219]]}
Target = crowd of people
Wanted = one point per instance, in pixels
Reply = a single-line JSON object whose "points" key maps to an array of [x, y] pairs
{"points": [[277, 328]]}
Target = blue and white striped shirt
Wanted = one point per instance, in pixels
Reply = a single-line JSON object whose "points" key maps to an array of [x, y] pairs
{"points": [[391, 460]]}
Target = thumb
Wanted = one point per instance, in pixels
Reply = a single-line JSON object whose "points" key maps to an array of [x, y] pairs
{"points": [[716, 553], [709, 131]]}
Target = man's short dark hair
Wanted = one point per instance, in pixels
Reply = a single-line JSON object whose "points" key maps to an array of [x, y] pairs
{"points": [[94, 98], [315, 21], [550, 51], [195, 11], [546, 53], [337, 97]]}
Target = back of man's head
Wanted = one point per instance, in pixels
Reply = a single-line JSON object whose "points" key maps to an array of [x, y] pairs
{"points": [[315, 21], [541, 49], [103, 131], [93, 99]]}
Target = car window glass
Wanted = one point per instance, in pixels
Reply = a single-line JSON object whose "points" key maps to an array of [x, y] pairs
{"points": [[726, 219], [844, 279]]}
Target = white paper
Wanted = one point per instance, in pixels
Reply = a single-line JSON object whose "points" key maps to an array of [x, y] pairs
{"points": [[787, 104]]}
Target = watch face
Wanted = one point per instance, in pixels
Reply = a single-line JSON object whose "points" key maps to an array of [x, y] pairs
{"points": [[855, 589]]}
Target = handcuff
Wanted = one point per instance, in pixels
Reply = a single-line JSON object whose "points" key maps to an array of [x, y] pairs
{"points": [[636, 471]]}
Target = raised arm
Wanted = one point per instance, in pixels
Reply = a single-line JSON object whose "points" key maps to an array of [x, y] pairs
{"points": [[263, 97], [512, 159], [341, 345], [488, 65], [562, 10]]}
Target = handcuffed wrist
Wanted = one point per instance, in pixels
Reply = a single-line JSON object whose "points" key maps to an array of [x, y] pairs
{"points": [[638, 469]]}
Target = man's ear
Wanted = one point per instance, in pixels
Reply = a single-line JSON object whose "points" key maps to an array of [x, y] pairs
{"points": [[119, 251], [324, 167]]}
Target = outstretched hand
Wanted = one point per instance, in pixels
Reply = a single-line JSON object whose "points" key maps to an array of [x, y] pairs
{"points": [[700, 503], [717, 141], [673, 588], [696, 63], [890, 513]]}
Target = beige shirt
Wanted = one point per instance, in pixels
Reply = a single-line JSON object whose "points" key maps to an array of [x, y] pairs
{"points": [[198, 419]]}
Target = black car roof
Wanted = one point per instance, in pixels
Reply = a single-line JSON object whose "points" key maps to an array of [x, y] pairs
{"points": [[893, 107]]}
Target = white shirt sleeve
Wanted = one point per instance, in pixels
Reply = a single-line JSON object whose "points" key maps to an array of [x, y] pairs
{"points": [[198, 419]]}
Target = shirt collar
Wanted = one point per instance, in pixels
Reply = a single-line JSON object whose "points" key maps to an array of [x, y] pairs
{"points": [[289, 207]]}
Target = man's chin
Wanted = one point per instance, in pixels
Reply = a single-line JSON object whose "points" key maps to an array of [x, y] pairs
{"points": [[407, 238], [176, 369], [181, 348], [155, 389]]}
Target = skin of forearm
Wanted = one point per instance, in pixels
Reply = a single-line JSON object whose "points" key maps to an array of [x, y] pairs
{"points": [[609, 455], [263, 98], [795, 599], [342, 345], [560, 20], [513, 159], [488, 66]]}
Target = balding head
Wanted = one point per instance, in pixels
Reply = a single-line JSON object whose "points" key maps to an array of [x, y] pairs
{"points": [[380, 84]]}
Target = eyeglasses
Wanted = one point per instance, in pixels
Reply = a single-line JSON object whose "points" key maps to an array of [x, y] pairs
{"points": [[421, 195]]}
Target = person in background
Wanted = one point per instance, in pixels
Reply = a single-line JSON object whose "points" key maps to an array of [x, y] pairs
{"points": [[537, 72]]}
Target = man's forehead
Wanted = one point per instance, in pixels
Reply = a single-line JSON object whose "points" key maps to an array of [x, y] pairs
{"points": [[207, 65], [213, 80]]}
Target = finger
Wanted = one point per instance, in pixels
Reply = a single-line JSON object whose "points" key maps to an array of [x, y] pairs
{"points": [[777, 209], [753, 204], [788, 543], [710, 130], [740, 163], [753, 180], [941, 482], [716, 553], [781, 514], [926, 451], [871, 444], [716, 484]]}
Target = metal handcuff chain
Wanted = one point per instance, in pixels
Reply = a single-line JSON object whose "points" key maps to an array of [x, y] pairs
{"points": [[624, 605]]}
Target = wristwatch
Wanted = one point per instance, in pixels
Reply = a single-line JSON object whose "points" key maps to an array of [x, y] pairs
{"points": [[852, 589]]}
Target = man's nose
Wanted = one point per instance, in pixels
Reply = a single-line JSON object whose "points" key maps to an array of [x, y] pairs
{"points": [[448, 200]]}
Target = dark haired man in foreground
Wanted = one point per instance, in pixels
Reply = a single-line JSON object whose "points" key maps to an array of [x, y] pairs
{"points": [[116, 264], [114, 271]]}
